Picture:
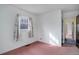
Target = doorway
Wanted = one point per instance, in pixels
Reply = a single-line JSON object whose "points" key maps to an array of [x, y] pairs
{"points": [[69, 32], [77, 31]]}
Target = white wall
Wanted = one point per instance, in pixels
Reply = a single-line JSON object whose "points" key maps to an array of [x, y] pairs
{"points": [[49, 27], [7, 19], [70, 14]]}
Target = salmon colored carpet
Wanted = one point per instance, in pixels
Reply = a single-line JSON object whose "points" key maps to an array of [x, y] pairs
{"points": [[39, 48]]}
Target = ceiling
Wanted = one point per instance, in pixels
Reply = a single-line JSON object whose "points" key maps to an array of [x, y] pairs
{"points": [[42, 8]]}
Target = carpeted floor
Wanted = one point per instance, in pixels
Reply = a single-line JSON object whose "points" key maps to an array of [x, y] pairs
{"points": [[39, 48]]}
